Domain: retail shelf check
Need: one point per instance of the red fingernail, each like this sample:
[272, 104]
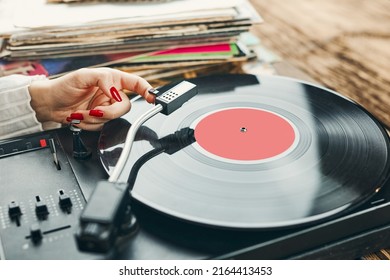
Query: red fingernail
[115, 94]
[96, 113]
[77, 116]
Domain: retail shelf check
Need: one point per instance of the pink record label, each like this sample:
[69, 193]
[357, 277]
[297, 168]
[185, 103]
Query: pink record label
[245, 134]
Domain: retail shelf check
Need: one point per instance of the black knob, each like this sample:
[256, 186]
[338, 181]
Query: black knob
[41, 208]
[14, 210]
[64, 200]
[80, 151]
[36, 233]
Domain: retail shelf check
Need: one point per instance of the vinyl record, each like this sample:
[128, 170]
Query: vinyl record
[253, 152]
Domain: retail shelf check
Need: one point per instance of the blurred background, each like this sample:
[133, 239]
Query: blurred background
[344, 45]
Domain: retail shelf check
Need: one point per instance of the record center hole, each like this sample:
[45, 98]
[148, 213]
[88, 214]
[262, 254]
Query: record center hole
[243, 129]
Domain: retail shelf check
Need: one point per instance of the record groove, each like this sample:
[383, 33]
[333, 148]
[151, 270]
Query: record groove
[339, 160]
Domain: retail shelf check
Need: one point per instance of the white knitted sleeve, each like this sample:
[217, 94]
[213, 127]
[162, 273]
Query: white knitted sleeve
[16, 114]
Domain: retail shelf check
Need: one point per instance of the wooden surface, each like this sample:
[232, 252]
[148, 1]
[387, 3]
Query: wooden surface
[344, 45]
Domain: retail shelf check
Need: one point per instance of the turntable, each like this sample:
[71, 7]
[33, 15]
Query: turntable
[252, 167]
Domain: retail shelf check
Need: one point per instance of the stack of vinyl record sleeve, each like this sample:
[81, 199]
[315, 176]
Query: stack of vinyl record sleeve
[157, 39]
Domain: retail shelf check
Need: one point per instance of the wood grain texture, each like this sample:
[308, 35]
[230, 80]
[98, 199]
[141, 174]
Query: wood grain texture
[344, 45]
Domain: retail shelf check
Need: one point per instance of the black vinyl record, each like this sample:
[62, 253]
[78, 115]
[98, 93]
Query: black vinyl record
[252, 152]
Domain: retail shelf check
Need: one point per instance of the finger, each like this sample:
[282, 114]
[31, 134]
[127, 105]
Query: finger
[101, 114]
[85, 118]
[99, 77]
[88, 122]
[108, 80]
[113, 111]
[137, 84]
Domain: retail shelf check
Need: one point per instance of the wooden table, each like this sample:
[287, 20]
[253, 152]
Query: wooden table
[343, 45]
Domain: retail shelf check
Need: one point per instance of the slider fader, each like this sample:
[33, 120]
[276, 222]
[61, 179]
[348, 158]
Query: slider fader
[39, 202]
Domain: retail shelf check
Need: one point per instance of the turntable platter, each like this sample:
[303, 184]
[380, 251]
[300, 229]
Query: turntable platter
[262, 153]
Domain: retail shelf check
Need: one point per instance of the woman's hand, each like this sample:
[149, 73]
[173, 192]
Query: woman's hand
[93, 96]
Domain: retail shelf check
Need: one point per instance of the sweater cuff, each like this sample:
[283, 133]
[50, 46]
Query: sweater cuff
[17, 117]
